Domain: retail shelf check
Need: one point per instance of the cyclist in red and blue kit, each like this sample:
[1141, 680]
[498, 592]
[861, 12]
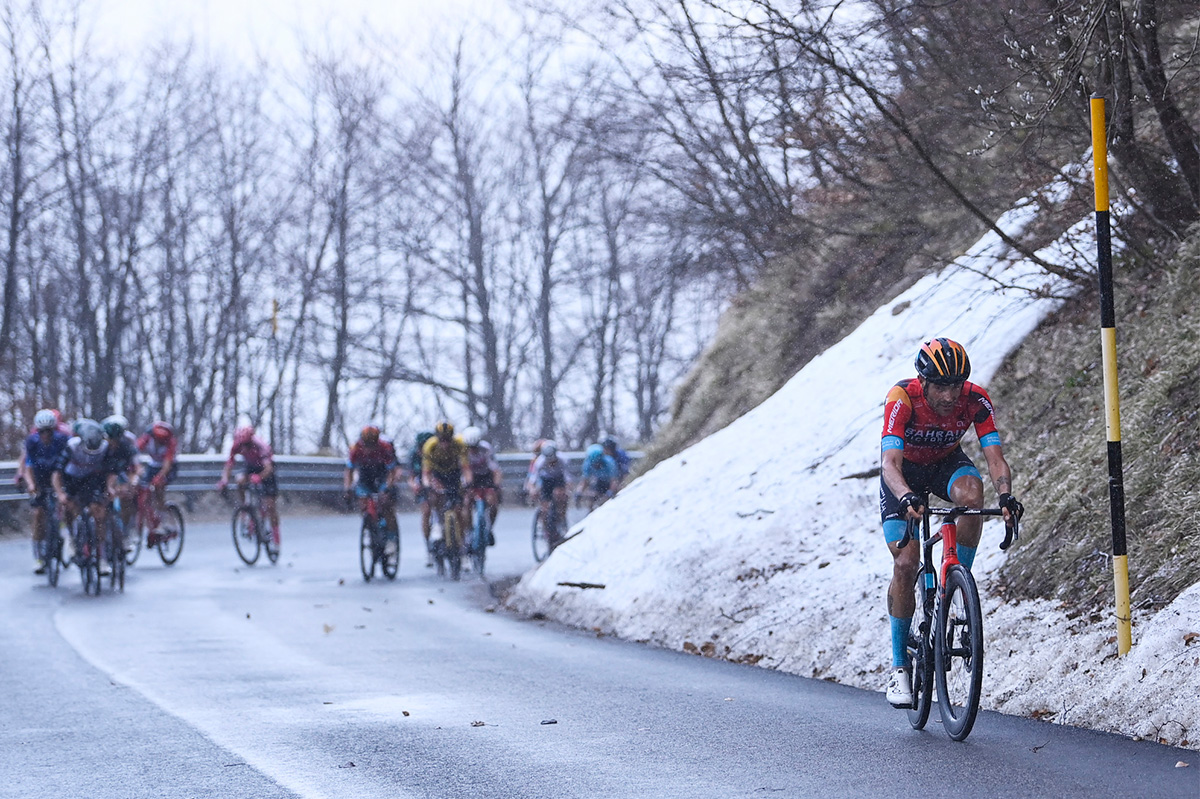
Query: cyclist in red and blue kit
[374, 458]
[924, 419]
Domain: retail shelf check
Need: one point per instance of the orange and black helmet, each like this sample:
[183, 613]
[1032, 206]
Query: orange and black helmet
[943, 362]
[370, 435]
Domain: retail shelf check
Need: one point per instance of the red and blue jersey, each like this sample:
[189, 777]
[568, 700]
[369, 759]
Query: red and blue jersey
[911, 425]
[373, 463]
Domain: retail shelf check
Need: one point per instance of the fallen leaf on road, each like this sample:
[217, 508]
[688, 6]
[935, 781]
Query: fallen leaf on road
[328, 628]
[478, 723]
[1181, 764]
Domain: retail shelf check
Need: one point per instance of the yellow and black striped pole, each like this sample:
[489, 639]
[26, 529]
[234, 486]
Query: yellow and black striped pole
[1112, 402]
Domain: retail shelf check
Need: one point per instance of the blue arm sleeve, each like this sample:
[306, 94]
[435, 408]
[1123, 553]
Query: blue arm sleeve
[891, 442]
[990, 440]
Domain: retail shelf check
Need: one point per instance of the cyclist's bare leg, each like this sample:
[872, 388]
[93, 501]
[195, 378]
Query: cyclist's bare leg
[968, 491]
[901, 602]
[128, 495]
[387, 510]
[426, 518]
[38, 513]
[492, 498]
[100, 514]
[268, 504]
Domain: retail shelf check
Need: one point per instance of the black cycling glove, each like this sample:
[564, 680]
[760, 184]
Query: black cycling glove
[1010, 504]
[910, 500]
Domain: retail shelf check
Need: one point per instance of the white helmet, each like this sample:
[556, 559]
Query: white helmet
[91, 435]
[472, 436]
[45, 419]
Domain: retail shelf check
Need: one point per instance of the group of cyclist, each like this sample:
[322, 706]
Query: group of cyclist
[90, 464]
[446, 472]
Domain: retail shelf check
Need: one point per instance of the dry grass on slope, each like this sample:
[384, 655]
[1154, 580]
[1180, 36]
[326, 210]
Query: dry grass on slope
[1050, 398]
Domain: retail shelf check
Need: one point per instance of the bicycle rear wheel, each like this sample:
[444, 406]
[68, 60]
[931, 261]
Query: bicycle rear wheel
[268, 541]
[366, 550]
[51, 546]
[959, 653]
[246, 538]
[389, 560]
[920, 653]
[53, 559]
[541, 544]
[170, 534]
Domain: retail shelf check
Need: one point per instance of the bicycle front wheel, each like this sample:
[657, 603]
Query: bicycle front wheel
[273, 548]
[114, 550]
[959, 653]
[920, 653]
[170, 534]
[51, 547]
[479, 538]
[454, 545]
[389, 561]
[541, 544]
[366, 551]
[246, 538]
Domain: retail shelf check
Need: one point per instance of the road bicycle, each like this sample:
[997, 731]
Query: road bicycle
[448, 550]
[50, 549]
[377, 545]
[114, 546]
[945, 645]
[547, 529]
[590, 498]
[87, 550]
[161, 530]
[251, 529]
[481, 535]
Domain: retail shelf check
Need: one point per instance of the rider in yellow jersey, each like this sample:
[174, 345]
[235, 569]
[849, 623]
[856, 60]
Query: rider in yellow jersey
[444, 470]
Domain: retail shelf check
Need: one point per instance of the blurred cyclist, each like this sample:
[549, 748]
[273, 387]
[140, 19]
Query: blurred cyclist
[374, 458]
[259, 468]
[44, 449]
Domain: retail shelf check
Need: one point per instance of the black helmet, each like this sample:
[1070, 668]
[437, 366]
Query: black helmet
[943, 362]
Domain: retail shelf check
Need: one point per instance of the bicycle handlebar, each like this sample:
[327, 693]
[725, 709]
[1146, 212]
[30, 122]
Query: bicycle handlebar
[1011, 528]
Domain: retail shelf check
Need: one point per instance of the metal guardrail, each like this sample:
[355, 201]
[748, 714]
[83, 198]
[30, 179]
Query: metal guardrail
[298, 473]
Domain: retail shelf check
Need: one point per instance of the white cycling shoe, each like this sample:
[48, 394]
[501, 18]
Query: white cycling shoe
[899, 689]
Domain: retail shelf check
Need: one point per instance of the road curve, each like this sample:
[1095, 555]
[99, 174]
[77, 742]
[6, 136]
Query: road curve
[211, 678]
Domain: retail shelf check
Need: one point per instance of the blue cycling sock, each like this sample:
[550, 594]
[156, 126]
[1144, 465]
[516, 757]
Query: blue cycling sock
[966, 555]
[900, 628]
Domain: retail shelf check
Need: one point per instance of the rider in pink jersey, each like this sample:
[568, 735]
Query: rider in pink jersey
[259, 468]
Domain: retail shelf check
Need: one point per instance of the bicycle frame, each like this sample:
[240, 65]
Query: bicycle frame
[950, 630]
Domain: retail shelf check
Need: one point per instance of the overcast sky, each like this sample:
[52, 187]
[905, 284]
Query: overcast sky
[242, 28]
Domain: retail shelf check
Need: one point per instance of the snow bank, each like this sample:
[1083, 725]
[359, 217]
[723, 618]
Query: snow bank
[762, 543]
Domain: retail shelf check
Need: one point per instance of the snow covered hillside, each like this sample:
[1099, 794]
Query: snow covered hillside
[762, 544]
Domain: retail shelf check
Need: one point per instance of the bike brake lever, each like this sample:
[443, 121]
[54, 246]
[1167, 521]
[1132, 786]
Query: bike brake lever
[909, 526]
[1011, 534]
